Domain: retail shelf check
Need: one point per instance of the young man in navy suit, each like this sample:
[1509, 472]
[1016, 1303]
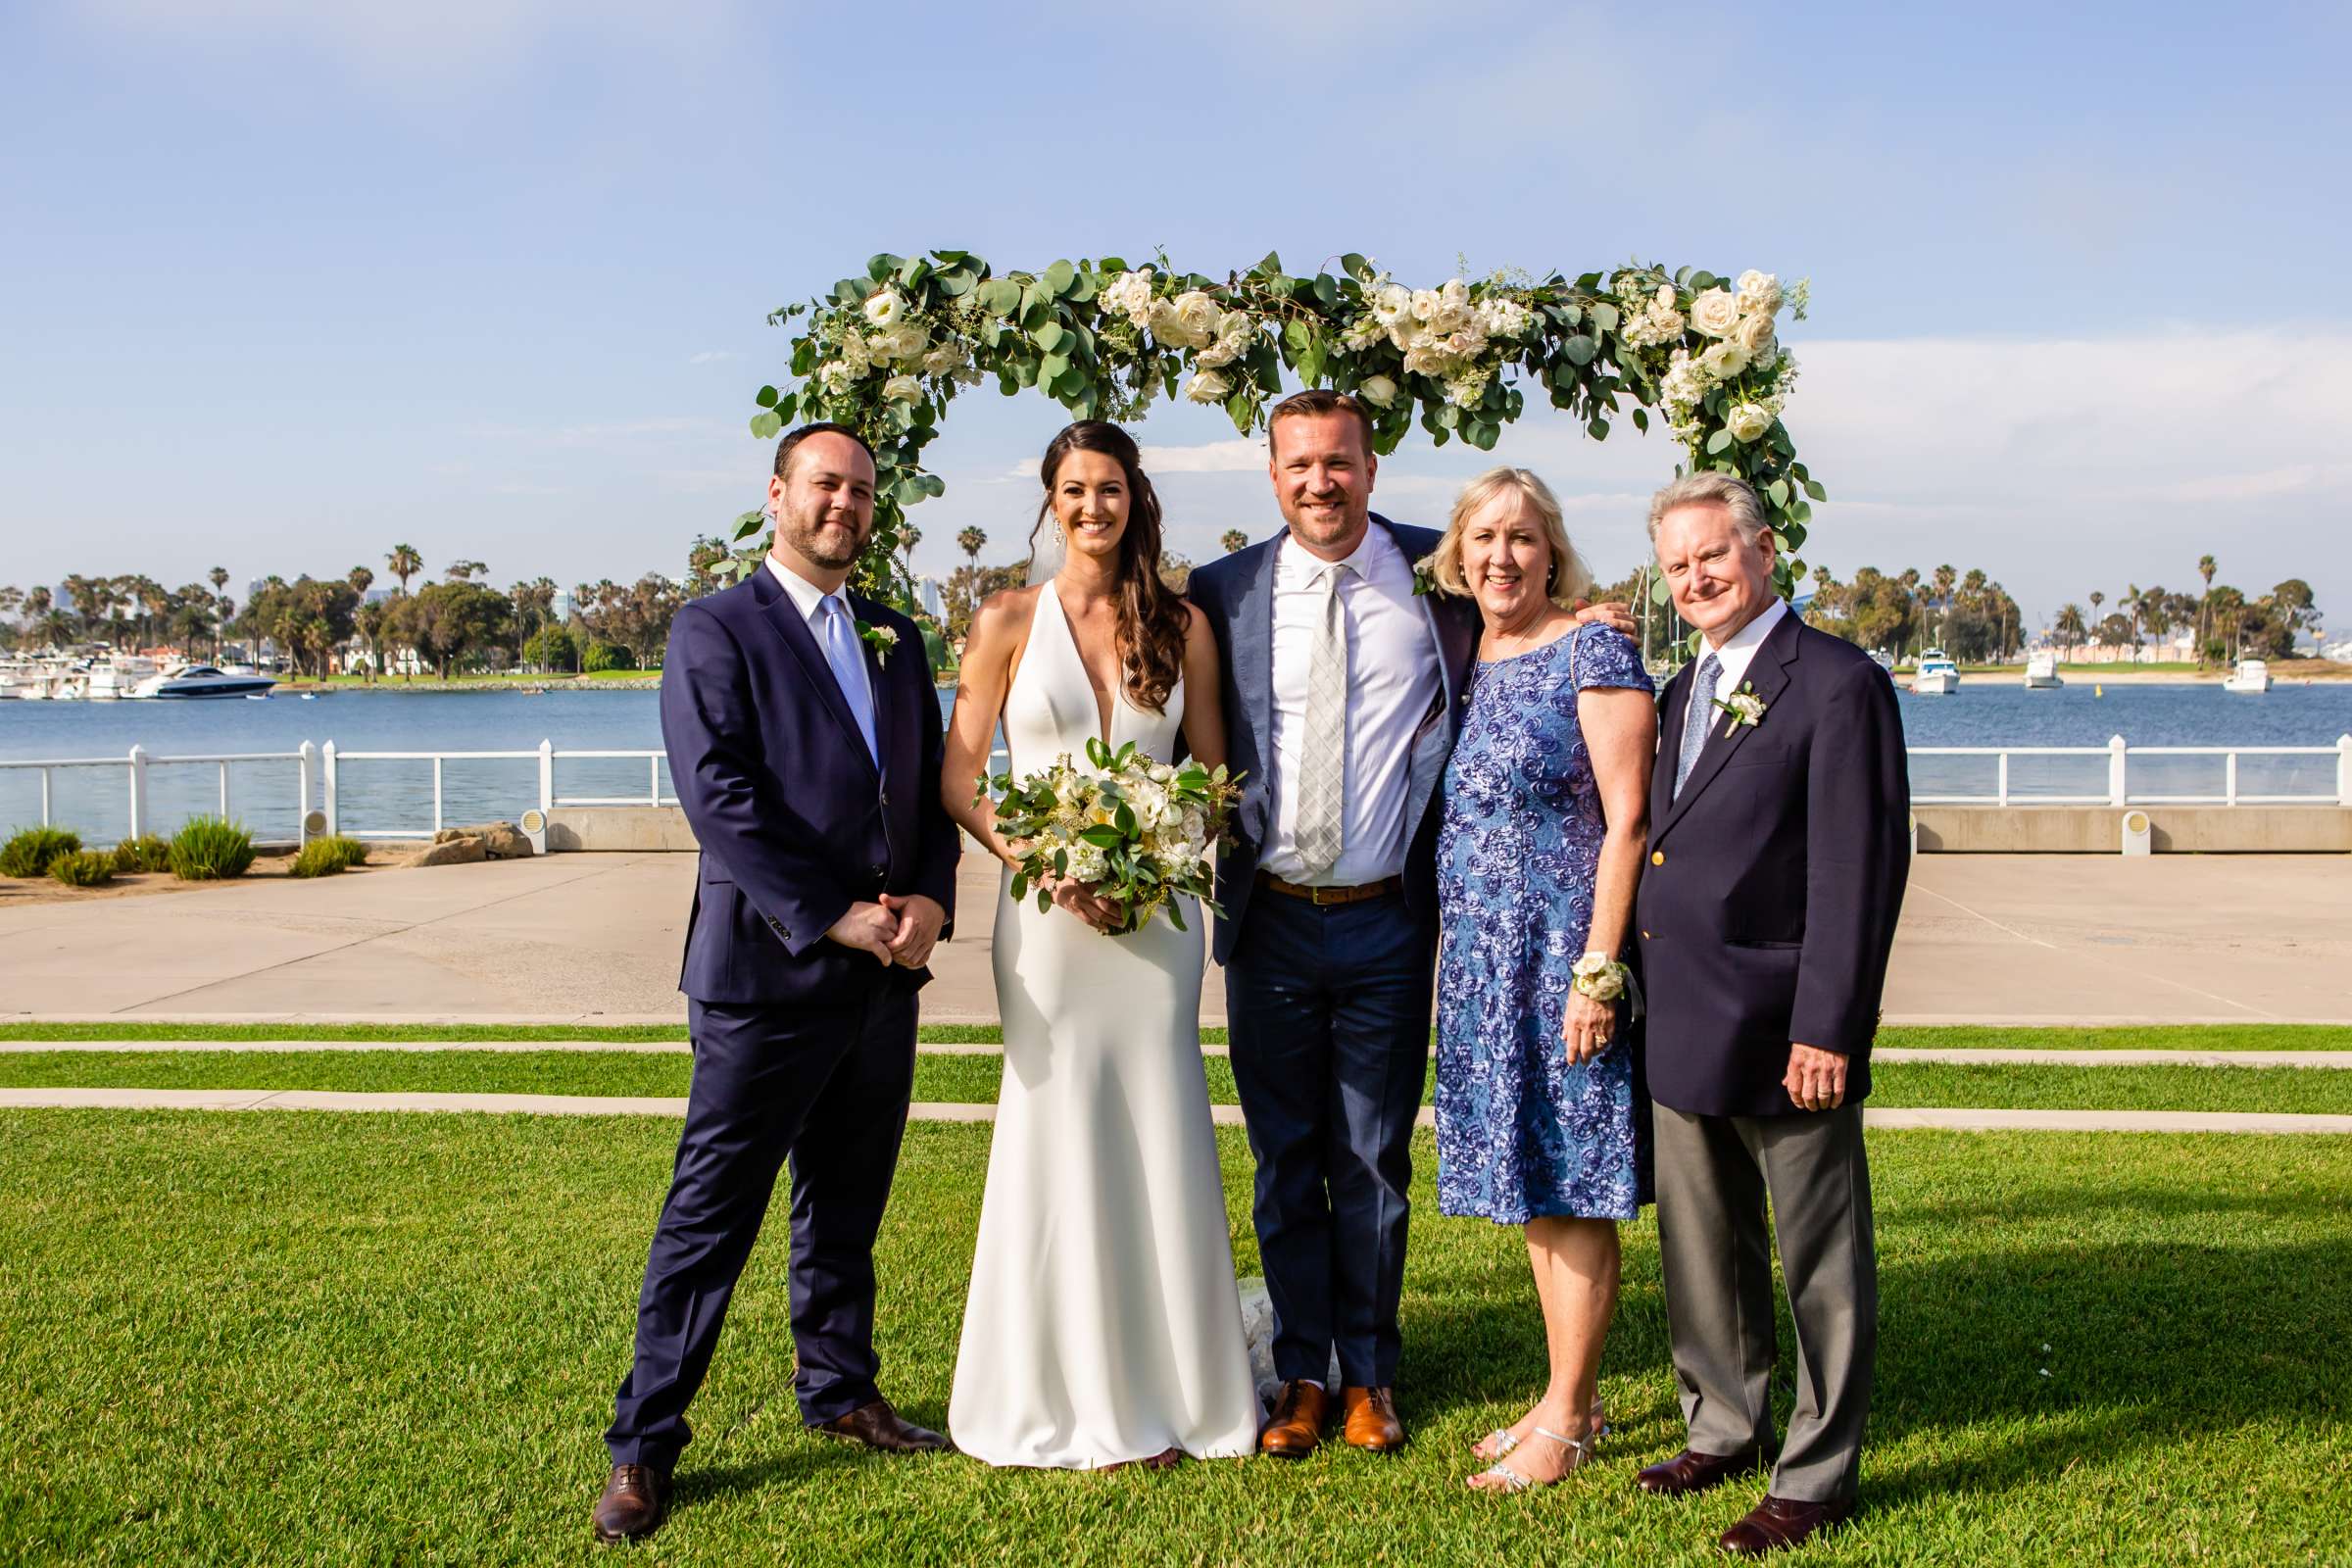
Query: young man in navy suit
[804, 737]
[1778, 846]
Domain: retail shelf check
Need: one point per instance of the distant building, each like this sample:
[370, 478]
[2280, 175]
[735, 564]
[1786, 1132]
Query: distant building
[930, 598]
[562, 605]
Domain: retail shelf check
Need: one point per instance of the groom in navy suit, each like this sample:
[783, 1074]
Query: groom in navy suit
[804, 737]
[1344, 690]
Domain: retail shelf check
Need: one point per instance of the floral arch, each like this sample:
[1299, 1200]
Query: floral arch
[885, 354]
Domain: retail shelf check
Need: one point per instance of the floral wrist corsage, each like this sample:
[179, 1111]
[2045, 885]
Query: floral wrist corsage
[1600, 977]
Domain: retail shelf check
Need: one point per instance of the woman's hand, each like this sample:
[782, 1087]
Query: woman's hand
[1588, 1026]
[1080, 899]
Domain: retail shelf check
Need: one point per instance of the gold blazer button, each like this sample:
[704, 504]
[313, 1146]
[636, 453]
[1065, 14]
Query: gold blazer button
[1657, 857]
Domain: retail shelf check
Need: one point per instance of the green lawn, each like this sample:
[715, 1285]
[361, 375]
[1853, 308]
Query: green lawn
[974, 1079]
[2182, 1037]
[393, 1339]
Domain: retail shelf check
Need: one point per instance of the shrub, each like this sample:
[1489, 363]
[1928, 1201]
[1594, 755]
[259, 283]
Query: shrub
[29, 850]
[146, 853]
[327, 857]
[602, 657]
[207, 849]
[83, 868]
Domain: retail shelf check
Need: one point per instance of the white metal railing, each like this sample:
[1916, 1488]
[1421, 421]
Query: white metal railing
[2119, 791]
[320, 778]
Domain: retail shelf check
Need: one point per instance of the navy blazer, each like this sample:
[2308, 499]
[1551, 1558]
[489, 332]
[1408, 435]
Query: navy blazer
[1769, 903]
[1237, 594]
[795, 822]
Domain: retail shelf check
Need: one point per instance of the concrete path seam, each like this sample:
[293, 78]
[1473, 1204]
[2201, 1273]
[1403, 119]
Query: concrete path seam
[1936, 1118]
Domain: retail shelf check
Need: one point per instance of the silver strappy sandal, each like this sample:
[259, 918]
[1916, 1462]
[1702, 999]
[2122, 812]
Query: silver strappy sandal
[1498, 1444]
[1514, 1482]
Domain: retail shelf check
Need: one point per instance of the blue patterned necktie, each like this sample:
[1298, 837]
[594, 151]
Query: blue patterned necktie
[1699, 721]
[848, 667]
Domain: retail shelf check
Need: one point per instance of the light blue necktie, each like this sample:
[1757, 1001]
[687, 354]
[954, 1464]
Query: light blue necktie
[1699, 719]
[847, 660]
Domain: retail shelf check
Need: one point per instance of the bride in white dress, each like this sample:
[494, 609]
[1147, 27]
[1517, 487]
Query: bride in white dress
[1103, 1326]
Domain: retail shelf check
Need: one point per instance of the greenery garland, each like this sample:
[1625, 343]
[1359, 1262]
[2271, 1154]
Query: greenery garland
[885, 353]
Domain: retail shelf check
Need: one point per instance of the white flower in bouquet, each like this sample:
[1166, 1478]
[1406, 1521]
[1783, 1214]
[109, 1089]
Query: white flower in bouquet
[1361, 333]
[1715, 313]
[1197, 317]
[1722, 359]
[1130, 295]
[946, 360]
[1388, 302]
[1377, 390]
[1468, 389]
[885, 306]
[1759, 294]
[1748, 421]
[1209, 386]
[1087, 863]
[852, 355]
[1501, 317]
[1657, 323]
[836, 377]
[1754, 335]
[1426, 306]
[1234, 334]
[1685, 383]
[903, 389]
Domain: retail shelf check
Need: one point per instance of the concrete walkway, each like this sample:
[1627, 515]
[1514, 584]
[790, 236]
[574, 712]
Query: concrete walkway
[2079, 1121]
[2025, 940]
[1989, 1058]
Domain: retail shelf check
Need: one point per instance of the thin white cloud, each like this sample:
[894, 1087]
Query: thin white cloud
[713, 357]
[1241, 455]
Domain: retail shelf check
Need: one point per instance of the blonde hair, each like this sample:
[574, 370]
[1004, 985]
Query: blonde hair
[1569, 580]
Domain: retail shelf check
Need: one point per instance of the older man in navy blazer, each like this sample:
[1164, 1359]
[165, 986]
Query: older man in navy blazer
[1777, 850]
[804, 737]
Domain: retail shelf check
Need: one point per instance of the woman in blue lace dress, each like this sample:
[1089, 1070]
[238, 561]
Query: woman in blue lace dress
[1541, 1121]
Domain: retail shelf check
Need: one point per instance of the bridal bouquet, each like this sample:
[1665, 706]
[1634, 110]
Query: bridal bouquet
[1142, 831]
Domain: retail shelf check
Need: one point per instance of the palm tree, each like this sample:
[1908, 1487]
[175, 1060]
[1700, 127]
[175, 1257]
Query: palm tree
[971, 541]
[464, 571]
[361, 580]
[2205, 570]
[2070, 626]
[1234, 539]
[405, 562]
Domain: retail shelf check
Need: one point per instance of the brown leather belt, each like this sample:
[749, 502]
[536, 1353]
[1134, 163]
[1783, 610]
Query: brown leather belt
[1354, 895]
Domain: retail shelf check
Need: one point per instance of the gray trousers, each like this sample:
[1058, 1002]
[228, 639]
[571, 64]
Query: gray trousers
[1714, 1174]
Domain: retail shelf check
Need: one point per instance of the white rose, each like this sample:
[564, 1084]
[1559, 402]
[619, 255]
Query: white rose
[903, 343]
[946, 360]
[1754, 335]
[1161, 317]
[1234, 333]
[1724, 360]
[1200, 316]
[1715, 313]
[1426, 304]
[885, 306]
[1749, 422]
[1209, 386]
[1759, 293]
[903, 389]
[1664, 301]
[1377, 390]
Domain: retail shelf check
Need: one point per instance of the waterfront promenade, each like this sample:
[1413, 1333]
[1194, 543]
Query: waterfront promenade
[2018, 940]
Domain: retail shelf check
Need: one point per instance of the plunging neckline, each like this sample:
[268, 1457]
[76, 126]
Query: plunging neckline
[1107, 709]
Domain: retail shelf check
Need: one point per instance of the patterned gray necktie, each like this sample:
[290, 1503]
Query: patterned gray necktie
[1323, 753]
[1699, 719]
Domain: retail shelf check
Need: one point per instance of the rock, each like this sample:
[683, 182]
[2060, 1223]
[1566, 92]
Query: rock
[500, 841]
[448, 850]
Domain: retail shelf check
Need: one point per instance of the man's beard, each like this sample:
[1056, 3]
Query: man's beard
[807, 535]
[1321, 529]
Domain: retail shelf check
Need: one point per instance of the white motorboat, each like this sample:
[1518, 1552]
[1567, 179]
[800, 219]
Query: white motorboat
[203, 680]
[1884, 661]
[2042, 670]
[1937, 675]
[2252, 676]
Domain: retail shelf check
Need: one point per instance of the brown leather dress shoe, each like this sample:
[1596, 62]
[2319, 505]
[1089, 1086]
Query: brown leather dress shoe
[1296, 1428]
[1372, 1423]
[1691, 1472]
[878, 1426]
[635, 1501]
[1779, 1522]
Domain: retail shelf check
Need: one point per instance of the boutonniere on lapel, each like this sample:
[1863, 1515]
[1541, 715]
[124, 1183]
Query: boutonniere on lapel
[1743, 710]
[1425, 580]
[881, 639]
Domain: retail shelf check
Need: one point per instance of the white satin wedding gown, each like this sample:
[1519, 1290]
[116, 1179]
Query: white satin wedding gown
[1103, 1323]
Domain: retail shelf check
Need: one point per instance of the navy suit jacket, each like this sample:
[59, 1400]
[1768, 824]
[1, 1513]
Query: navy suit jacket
[1237, 594]
[795, 820]
[1774, 878]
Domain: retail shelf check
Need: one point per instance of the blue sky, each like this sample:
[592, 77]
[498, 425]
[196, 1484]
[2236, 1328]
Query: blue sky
[284, 285]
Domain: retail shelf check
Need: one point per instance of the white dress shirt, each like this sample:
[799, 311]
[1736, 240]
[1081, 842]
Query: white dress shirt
[810, 600]
[1737, 653]
[1392, 680]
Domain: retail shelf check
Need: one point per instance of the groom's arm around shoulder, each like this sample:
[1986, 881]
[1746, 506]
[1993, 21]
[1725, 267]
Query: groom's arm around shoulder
[1857, 850]
[710, 729]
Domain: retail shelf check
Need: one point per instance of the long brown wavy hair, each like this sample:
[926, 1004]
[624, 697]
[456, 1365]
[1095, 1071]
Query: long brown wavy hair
[1150, 614]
